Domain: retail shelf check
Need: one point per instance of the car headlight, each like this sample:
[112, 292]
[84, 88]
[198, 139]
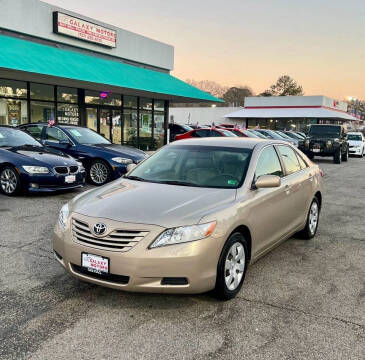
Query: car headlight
[184, 234]
[121, 160]
[35, 169]
[81, 167]
[329, 143]
[63, 216]
[307, 143]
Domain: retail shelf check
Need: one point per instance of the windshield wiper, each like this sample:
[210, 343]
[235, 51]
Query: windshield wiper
[177, 182]
[137, 178]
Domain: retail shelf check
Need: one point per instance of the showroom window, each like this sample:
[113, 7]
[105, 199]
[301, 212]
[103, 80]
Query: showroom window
[103, 98]
[42, 111]
[41, 92]
[130, 102]
[67, 95]
[13, 88]
[13, 112]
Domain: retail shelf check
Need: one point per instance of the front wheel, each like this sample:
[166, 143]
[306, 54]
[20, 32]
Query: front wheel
[99, 173]
[345, 156]
[337, 157]
[232, 266]
[9, 181]
[311, 225]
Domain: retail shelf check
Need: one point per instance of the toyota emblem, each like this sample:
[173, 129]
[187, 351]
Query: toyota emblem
[99, 229]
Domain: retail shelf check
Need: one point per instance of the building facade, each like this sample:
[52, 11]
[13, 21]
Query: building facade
[62, 66]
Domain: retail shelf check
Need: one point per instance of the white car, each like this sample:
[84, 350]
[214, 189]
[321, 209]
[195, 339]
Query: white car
[357, 143]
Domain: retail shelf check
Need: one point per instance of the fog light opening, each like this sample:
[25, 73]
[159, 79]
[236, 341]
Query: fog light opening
[34, 186]
[174, 281]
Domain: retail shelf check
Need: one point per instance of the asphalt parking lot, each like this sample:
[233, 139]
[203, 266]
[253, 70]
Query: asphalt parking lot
[305, 300]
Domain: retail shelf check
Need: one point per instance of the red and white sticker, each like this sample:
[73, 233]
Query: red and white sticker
[95, 263]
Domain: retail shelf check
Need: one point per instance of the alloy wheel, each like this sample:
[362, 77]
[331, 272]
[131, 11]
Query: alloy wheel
[99, 173]
[8, 181]
[313, 217]
[234, 266]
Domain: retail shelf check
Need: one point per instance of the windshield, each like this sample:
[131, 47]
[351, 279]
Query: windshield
[355, 137]
[262, 136]
[12, 137]
[201, 166]
[325, 130]
[283, 135]
[186, 128]
[228, 133]
[237, 133]
[87, 136]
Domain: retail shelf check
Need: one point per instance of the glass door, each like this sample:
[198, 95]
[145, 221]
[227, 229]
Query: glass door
[104, 118]
[116, 127]
[92, 118]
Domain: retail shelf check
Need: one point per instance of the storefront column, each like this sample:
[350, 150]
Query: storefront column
[81, 104]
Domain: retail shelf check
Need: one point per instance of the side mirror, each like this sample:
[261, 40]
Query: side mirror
[130, 167]
[267, 181]
[65, 143]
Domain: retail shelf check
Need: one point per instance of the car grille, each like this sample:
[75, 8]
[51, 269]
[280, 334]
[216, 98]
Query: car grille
[65, 170]
[117, 240]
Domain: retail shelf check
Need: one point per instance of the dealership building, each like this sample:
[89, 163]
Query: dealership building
[62, 66]
[291, 112]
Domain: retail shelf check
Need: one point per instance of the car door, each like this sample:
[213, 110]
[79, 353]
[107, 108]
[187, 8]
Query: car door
[57, 139]
[298, 181]
[269, 208]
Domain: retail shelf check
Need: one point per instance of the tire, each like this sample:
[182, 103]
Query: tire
[311, 227]
[337, 157]
[9, 181]
[99, 173]
[236, 244]
[345, 156]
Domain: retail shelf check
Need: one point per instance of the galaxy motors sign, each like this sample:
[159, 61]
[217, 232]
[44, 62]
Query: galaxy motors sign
[83, 30]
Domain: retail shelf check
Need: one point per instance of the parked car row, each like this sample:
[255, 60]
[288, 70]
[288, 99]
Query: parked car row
[42, 158]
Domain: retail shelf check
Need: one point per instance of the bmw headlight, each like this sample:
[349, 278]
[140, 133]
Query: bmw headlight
[63, 216]
[184, 234]
[123, 161]
[35, 169]
[81, 167]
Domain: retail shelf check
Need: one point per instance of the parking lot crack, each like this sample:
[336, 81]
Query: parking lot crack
[288, 308]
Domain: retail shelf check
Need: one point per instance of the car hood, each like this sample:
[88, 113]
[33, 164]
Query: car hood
[323, 138]
[150, 203]
[43, 156]
[119, 150]
[355, 142]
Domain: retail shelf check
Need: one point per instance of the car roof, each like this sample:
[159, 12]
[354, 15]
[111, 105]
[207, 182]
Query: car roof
[55, 125]
[233, 142]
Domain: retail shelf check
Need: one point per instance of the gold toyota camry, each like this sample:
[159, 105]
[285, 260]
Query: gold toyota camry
[190, 218]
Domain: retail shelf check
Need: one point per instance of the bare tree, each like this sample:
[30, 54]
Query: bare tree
[209, 86]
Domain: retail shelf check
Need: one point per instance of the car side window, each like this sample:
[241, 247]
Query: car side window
[201, 133]
[35, 131]
[214, 133]
[268, 163]
[290, 159]
[55, 135]
[302, 163]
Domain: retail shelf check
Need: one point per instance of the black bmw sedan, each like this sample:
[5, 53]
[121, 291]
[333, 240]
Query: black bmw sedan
[103, 160]
[27, 165]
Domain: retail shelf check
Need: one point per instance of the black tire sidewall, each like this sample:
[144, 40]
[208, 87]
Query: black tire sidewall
[18, 185]
[337, 157]
[221, 290]
[89, 169]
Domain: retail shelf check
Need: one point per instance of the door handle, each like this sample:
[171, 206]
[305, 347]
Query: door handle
[287, 189]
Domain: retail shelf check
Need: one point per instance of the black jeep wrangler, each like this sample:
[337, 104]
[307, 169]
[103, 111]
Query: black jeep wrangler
[326, 140]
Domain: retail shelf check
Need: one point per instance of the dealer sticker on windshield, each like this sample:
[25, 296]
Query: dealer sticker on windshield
[232, 182]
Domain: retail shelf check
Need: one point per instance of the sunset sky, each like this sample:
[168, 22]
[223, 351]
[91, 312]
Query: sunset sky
[320, 43]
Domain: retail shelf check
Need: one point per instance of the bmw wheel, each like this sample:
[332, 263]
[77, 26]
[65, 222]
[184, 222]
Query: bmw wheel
[99, 173]
[9, 181]
[311, 225]
[232, 267]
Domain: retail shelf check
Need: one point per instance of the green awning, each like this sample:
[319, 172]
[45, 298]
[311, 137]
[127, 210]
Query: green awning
[21, 55]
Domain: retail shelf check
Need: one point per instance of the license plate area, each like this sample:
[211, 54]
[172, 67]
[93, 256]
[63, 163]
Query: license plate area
[69, 179]
[316, 148]
[95, 264]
